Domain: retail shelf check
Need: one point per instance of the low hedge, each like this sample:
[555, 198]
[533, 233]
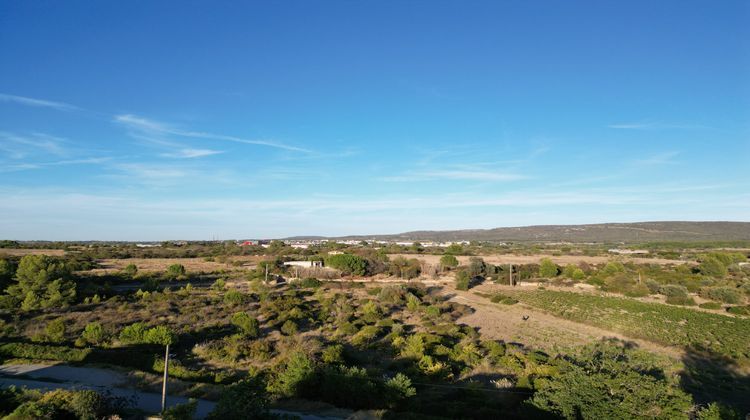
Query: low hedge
[43, 352]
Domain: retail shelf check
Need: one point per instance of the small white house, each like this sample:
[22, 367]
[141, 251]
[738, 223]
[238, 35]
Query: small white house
[306, 264]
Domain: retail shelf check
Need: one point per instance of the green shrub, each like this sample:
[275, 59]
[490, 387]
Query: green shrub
[246, 399]
[710, 305]
[234, 298]
[161, 335]
[43, 352]
[181, 411]
[448, 261]
[130, 270]
[676, 295]
[462, 280]
[93, 334]
[611, 268]
[133, 333]
[712, 267]
[501, 298]
[289, 327]
[653, 286]
[310, 283]
[348, 264]
[400, 387]
[292, 376]
[547, 268]
[739, 310]
[721, 294]
[55, 330]
[248, 325]
[333, 354]
[591, 386]
[175, 271]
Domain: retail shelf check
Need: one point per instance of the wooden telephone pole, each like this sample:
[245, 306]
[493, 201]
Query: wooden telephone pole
[164, 384]
[510, 275]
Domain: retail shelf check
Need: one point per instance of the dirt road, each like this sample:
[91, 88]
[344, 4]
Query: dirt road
[39, 376]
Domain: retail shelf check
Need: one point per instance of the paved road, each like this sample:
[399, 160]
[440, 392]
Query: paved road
[39, 376]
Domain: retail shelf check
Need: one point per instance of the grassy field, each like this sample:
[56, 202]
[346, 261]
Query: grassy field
[669, 325]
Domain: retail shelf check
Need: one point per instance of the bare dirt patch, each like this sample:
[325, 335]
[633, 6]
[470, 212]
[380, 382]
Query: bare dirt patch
[199, 265]
[19, 252]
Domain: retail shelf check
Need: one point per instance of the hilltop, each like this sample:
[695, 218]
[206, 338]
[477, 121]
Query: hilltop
[603, 232]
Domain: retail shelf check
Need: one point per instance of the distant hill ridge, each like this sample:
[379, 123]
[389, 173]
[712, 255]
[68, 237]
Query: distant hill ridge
[602, 232]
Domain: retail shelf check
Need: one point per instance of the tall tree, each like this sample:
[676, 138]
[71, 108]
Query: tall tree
[42, 282]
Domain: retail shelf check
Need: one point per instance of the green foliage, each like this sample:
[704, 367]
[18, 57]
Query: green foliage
[710, 305]
[573, 272]
[234, 298]
[448, 261]
[175, 271]
[7, 271]
[371, 312]
[247, 325]
[739, 310]
[712, 267]
[722, 294]
[94, 334]
[289, 327]
[348, 264]
[462, 280]
[55, 330]
[676, 295]
[184, 411]
[246, 399]
[160, 335]
[134, 333]
[547, 268]
[42, 283]
[310, 283]
[333, 354]
[612, 268]
[43, 352]
[611, 382]
[504, 299]
[64, 404]
[365, 336]
[292, 376]
[405, 268]
[130, 270]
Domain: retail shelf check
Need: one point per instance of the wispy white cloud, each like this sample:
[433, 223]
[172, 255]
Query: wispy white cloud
[192, 153]
[465, 175]
[655, 125]
[43, 103]
[21, 145]
[156, 128]
[39, 165]
[666, 158]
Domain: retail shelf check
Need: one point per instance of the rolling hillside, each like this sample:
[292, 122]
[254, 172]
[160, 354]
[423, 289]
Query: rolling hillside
[604, 232]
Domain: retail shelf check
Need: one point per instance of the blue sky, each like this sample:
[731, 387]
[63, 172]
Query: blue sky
[152, 120]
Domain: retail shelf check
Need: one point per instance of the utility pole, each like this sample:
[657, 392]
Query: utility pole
[164, 384]
[266, 280]
[510, 275]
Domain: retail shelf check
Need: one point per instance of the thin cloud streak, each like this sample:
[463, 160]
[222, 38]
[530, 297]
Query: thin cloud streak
[159, 128]
[463, 175]
[37, 142]
[39, 165]
[192, 153]
[647, 125]
[34, 102]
